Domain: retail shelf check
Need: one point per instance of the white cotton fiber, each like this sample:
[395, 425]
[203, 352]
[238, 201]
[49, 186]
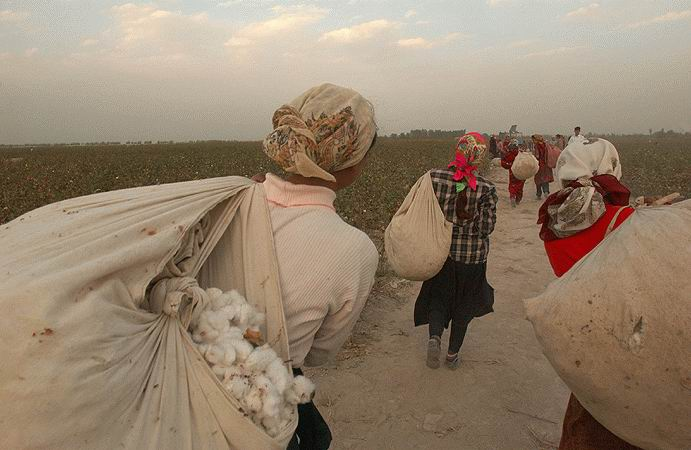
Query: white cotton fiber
[228, 333]
[243, 349]
[301, 391]
[260, 358]
[279, 376]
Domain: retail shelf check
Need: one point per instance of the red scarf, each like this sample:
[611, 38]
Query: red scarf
[612, 191]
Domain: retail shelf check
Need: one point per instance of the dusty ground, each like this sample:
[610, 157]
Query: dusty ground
[505, 395]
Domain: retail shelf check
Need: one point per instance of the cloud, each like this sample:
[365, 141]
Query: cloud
[361, 32]
[672, 16]
[148, 25]
[89, 42]
[9, 16]
[229, 3]
[410, 14]
[419, 42]
[288, 18]
[495, 3]
[553, 52]
[522, 43]
[584, 12]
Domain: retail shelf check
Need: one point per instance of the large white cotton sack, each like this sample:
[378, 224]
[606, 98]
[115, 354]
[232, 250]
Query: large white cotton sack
[525, 166]
[97, 294]
[617, 328]
[418, 239]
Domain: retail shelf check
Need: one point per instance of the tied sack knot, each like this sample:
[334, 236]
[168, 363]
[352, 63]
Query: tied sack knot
[178, 297]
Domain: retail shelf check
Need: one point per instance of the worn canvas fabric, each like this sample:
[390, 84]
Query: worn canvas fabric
[617, 328]
[587, 159]
[418, 239]
[97, 293]
[525, 166]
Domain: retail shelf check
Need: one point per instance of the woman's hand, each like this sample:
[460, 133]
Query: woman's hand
[658, 200]
[259, 178]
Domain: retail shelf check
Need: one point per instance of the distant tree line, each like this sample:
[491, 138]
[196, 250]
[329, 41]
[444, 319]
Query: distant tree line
[428, 134]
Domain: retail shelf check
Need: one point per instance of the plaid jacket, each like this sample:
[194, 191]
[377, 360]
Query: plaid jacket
[470, 242]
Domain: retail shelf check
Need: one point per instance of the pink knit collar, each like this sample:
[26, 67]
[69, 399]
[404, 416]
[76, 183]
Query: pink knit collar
[289, 195]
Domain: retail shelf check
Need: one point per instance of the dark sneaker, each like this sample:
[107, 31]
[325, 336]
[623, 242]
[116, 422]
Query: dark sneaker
[433, 352]
[452, 362]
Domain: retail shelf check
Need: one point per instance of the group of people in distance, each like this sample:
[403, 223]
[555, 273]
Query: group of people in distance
[327, 268]
[508, 149]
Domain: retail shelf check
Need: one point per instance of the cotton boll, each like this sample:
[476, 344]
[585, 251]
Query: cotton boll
[252, 401]
[243, 349]
[205, 332]
[272, 403]
[219, 371]
[213, 293]
[230, 334]
[225, 300]
[278, 373]
[215, 354]
[238, 386]
[271, 400]
[236, 298]
[217, 321]
[242, 317]
[229, 312]
[260, 358]
[202, 348]
[301, 391]
[257, 320]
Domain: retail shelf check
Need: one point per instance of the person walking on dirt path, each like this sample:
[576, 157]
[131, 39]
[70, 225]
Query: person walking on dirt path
[515, 185]
[493, 148]
[577, 136]
[574, 221]
[460, 291]
[327, 267]
[544, 175]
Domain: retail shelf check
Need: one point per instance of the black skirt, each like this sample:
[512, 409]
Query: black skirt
[458, 291]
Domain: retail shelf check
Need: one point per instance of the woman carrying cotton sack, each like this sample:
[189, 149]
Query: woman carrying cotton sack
[327, 267]
[460, 292]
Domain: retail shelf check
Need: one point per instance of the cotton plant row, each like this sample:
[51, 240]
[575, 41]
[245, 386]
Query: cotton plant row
[228, 334]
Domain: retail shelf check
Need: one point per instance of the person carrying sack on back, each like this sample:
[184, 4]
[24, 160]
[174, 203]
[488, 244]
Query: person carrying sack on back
[591, 203]
[544, 175]
[327, 268]
[460, 291]
[515, 185]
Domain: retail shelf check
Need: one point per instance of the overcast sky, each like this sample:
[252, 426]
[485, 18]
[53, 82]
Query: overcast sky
[74, 70]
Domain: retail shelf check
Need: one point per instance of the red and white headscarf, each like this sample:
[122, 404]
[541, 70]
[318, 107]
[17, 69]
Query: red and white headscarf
[469, 150]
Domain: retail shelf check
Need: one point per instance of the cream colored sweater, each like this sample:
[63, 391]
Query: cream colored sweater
[326, 266]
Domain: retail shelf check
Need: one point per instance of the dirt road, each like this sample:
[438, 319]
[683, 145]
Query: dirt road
[505, 395]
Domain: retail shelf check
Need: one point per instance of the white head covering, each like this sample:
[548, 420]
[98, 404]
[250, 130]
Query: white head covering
[587, 159]
[326, 129]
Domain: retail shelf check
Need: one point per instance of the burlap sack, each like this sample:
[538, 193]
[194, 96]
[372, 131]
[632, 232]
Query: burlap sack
[525, 166]
[617, 328]
[418, 239]
[97, 293]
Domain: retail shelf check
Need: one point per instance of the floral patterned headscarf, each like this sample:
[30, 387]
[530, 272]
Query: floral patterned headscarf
[470, 148]
[326, 129]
